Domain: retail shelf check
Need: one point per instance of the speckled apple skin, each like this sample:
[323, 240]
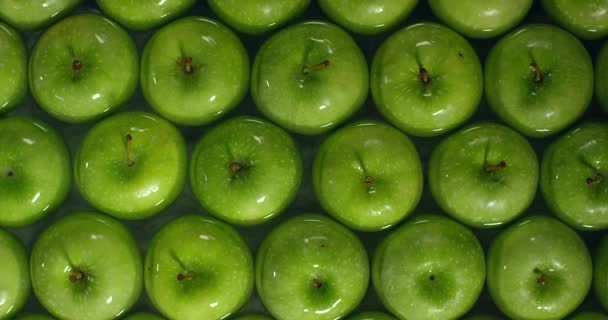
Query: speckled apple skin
[368, 16]
[15, 282]
[144, 15]
[13, 68]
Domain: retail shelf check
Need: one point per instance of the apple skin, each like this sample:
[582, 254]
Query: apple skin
[481, 19]
[267, 181]
[15, 279]
[137, 190]
[558, 99]
[568, 172]
[452, 93]
[372, 316]
[538, 268]
[253, 317]
[106, 59]
[217, 82]
[589, 316]
[586, 19]
[482, 317]
[601, 77]
[368, 175]
[311, 268]
[257, 16]
[219, 259]
[430, 268]
[143, 316]
[464, 189]
[33, 15]
[35, 171]
[34, 317]
[101, 252]
[144, 15]
[368, 17]
[315, 102]
[600, 272]
[13, 70]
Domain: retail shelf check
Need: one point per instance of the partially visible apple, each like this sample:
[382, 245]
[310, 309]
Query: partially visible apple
[574, 177]
[600, 272]
[198, 268]
[13, 69]
[601, 77]
[253, 317]
[372, 316]
[257, 16]
[481, 18]
[311, 268]
[144, 15]
[83, 68]
[32, 316]
[483, 317]
[484, 175]
[368, 16]
[86, 266]
[143, 316]
[589, 316]
[586, 19]
[14, 275]
[539, 79]
[131, 165]
[426, 79]
[538, 268]
[430, 268]
[309, 77]
[35, 14]
[194, 70]
[368, 175]
[35, 172]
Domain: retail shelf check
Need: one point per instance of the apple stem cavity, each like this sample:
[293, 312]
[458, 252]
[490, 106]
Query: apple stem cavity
[315, 67]
[595, 179]
[76, 276]
[76, 65]
[187, 65]
[538, 74]
[368, 180]
[10, 173]
[423, 74]
[490, 168]
[129, 139]
[235, 167]
[542, 280]
[317, 283]
[186, 277]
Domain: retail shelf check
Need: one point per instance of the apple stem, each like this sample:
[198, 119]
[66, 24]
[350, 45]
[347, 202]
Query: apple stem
[235, 167]
[315, 67]
[432, 277]
[128, 142]
[542, 280]
[76, 65]
[595, 179]
[186, 277]
[368, 180]
[424, 75]
[538, 74]
[488, 168]
[316, 282]
[187, 64]
[76, 275]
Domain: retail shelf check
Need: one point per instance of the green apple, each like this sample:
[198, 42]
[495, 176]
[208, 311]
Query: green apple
[245, 170]
[131, 165]
[482, 317]
[35, 14]
[586, 19]
[309, 77]
[14, 276]
[538, 269]
[601, 77]
[13, 69]
[368, 175]
[86, 266]
[311, 268]
[481, 18]
[144, 15]
[32, 316]
[484, 175]
[143, 316]
[257, 16]
[372, 316]
[600, 272]
[194, 70]
[198, 268]
[35, 175]
[539, 79]
[253, 317]
[589, 316]
[574, 176]
[426, 79]
[368, 17]
[430, 268]
[83, 68]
